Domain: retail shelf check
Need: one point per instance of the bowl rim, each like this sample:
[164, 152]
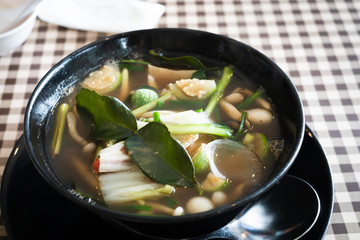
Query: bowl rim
[18, 27]
[251, 198]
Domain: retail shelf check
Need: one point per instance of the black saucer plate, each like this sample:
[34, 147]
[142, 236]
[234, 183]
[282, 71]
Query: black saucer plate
[31, 209]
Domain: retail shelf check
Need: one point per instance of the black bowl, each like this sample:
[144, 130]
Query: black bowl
[252, 64]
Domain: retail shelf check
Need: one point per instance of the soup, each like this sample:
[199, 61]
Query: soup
[164, 135]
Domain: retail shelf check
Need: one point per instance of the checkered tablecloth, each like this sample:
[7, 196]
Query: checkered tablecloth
[316, 42]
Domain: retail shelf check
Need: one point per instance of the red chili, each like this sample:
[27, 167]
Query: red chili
[96, 165]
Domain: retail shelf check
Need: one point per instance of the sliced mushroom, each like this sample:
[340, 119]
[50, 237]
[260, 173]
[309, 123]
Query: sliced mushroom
[259, 116]
[230, 110]
[263, 103]
[234, 98]
[159, 77]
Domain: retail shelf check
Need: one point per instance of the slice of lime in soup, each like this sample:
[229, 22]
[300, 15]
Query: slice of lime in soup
[200, 160]
[104, 80]
[193, 89]
[257, 142]
[213, 183]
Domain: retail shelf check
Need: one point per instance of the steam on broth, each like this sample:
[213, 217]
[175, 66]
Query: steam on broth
[156, 138]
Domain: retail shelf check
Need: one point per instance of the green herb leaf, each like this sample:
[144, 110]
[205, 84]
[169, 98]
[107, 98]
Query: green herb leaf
[160, 157]
[133, 65]
[199, 74]
[112, 119]
[182, 61]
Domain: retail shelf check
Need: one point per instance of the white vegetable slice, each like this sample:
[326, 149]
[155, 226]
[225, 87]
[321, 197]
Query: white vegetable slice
[237, 161]
[159, 77]
[185, 117]
[114, 158]
[120, 187]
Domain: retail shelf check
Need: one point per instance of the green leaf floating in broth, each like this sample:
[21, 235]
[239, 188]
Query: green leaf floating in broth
[182, 61]
[112, 119]
[160, 157]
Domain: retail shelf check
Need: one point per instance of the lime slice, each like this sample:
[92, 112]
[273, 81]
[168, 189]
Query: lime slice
[104, 80]
[143, 96]
[193, 89]
[213, 183]
[256, 142]
[200, 160]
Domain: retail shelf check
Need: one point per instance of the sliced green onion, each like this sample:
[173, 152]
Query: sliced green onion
[59, 128]
[147, 107]
[208, 128]
[224, 81]
[249, 100]
[242, 123]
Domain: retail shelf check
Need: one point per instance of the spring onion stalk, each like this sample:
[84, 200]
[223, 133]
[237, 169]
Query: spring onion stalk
[224, 81]
[147, 107]
[207, 128]
[249, 100]
[242, 123]
[59, 128]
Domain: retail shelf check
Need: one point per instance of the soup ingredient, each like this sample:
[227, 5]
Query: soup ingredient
[104, 80]
[200, 160]
[213, 183]
[159, 77]
[125, 186]
[256, 142]
[232, 160]
[124, 89]
[249, 100]
[193, 89]
[218, 198]
[113, 159]
[112, 118]
[181, 118]
[133, 65]
[240, 130]
[234, 98]
[150, 105]
[160, 157]
[178, 211]
[143, 96]
[178, 61]
[223, 82]
[208, 128]
[71, 123]
[59, 128]
[230, 110]
[199, 204]
[259, 116]
[276, 146]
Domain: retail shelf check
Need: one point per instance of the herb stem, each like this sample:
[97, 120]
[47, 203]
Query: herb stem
[147, 107]
[59, 128]
[208, 128]
[224, 81]
[249, 100]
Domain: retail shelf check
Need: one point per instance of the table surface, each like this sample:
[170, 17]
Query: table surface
[317, 43]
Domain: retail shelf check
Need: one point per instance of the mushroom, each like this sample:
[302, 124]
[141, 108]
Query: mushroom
[199, 204]
[259, 116]
[230, 110]
[234, 98]
[159, 77]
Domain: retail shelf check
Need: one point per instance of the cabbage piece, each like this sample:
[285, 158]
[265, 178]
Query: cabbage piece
[114, 158]
[120, 187]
